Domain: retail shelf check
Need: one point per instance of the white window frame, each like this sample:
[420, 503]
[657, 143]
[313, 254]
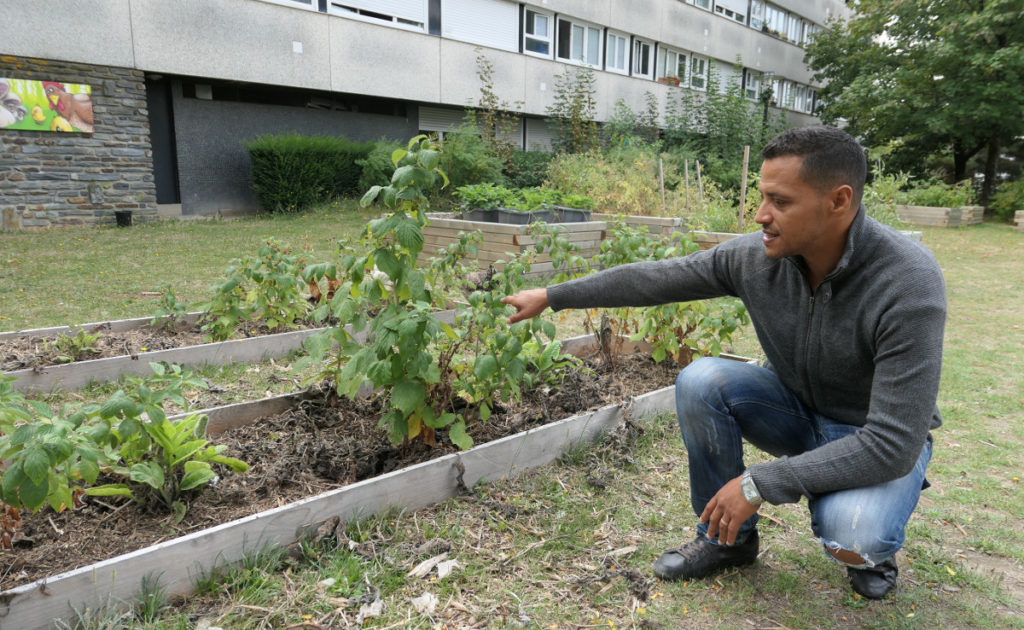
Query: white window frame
[699, 81]
[635, 58]
[662, 66]
[588, 30]
[812, 95]
[700, 4]
[547, 38]
[612, 53]
[757, 14]
[752, 84]
[730, 14]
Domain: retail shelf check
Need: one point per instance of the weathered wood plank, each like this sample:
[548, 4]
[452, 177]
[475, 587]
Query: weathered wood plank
[116, 325]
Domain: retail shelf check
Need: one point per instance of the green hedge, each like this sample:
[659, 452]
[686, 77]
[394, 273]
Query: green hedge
[292, 172]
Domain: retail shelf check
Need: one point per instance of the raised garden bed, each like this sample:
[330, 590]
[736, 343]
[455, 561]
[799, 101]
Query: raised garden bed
[942, 217]
[179, 561]
[665, 226]
[75, 375]
[1018, 220]
[500, 240]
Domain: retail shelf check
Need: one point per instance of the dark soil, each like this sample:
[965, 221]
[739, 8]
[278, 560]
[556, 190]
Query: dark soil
[322, 444]
[38, 351]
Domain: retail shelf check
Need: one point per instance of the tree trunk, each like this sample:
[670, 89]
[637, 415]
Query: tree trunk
[991, 165]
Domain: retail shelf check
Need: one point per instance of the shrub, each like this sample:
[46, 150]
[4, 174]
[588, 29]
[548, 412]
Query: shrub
[466, 160]
[527, 169]
[377, 167]
[488, 197]
[292, 172]
[1008, 199]
[939, 195]
[882, 195]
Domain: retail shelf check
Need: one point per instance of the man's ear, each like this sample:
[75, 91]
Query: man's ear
[841, 198]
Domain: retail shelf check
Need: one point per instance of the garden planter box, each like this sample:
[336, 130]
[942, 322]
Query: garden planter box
[665, 226]
[71, 376]
[118, 325]
[1018, 220]
[942, 217]
[707, 240]
[178, 562]
[500, 240]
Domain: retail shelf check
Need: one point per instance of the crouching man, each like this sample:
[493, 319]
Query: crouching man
[850, 314]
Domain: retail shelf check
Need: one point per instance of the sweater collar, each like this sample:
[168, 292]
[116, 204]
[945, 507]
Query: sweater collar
[853, 251]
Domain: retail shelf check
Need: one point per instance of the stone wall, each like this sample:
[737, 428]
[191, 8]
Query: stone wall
[52, 179]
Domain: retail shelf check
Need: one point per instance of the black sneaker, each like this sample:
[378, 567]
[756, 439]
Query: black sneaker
[700, 558]
[875, 582]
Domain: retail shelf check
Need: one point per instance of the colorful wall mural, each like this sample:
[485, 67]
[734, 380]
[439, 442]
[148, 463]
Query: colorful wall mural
[45, 106]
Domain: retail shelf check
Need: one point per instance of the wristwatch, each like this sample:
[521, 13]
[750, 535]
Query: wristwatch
[749, 489]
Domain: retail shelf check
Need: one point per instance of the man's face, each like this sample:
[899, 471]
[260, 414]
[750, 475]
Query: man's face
[793, 213]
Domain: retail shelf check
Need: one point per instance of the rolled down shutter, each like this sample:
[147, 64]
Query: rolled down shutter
[411, 10]
[739, 6]
[492, 23]
[538, 135]
[439, 119]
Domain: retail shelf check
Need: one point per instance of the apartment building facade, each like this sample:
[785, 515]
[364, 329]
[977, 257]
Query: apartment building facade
[178, 87]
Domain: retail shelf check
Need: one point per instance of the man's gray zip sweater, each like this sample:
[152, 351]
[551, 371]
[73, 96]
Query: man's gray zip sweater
[864, 349]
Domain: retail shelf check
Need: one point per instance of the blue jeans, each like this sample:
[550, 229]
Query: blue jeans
[719, 402]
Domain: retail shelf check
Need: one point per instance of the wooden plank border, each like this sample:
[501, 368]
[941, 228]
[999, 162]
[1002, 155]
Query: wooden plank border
[76, 375]
[116, 325]
[179, 562]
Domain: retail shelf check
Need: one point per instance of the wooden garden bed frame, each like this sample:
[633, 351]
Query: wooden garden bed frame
[75, 375]
[179, 562]
[941, 217]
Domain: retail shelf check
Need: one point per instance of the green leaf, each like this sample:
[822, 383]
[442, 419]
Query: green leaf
[109, 490]
[428, 158]
[407, 396]
[119, 405]
[318, 345]
[179, 509]
[485, 411]
[379, 372]
[196, 474]
[485, 366]
[370, 196]
[36, 466]
[148, 473]
[409, 235]
[457, 434]
[236, 465]
[158, 368]
[32, 494]
[388, 263]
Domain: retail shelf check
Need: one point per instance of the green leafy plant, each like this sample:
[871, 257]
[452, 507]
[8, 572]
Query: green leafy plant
[1009, 198]
[488, 196]
[268, 286]
[74, 347]
[431, 376]
[160, 460]
[170, 309]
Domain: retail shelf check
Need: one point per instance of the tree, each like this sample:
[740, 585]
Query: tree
[927, 77]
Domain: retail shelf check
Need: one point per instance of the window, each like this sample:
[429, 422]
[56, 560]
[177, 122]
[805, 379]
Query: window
[799, 97]
[671, 63]
[812, 100]
[537, 28]
[732, 9]
[698, 72]
[579, 42]
[617, 59]
[794, 28]
[643, 65]
[704, 4]
[752, 84]
[757, 14]
[410, 14]
[775, 20]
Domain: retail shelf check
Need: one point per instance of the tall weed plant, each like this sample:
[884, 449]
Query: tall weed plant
[621, 180]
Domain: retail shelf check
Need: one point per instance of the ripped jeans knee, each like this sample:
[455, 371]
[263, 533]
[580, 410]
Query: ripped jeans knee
[862, 527]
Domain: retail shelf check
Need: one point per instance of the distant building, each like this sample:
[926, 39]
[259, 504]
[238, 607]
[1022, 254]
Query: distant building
[177, 86]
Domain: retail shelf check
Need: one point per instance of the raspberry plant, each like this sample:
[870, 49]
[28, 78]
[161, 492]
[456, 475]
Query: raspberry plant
[433, 376]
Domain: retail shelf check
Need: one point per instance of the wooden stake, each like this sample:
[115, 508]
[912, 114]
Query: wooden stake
[661, 180]
[686, 178]
[743, 188]
[700, 182]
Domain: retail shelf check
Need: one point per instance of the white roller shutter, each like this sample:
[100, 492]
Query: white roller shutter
[411, 10]
[492, 23]
[514, 136]
[739, 6]
[438, 119]
[538, 135]
[728, 75]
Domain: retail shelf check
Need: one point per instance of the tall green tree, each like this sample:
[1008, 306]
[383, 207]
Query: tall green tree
[927, 77]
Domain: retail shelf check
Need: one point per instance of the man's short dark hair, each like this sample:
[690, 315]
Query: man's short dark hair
[831, 157]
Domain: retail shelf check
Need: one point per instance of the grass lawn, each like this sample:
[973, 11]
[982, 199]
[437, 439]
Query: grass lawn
[570, 546]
